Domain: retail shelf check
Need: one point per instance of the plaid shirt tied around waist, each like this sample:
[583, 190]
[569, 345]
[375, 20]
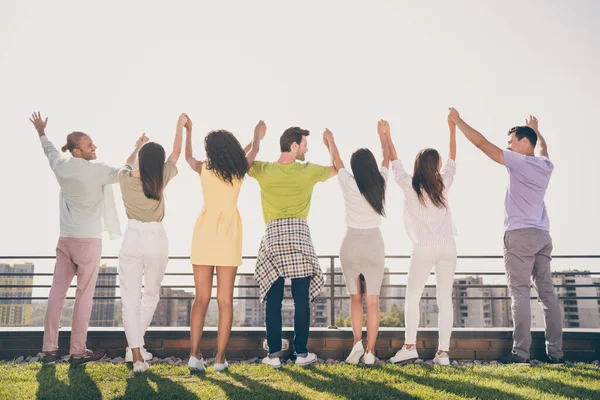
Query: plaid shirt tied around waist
[287, 251]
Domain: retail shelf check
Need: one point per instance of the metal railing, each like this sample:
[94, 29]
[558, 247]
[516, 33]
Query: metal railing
[330, 274]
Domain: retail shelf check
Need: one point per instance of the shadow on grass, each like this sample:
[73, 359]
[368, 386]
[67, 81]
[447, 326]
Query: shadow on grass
[252, 388]
[343, 386]
[138, 387]
[545, 384]
[460, 388]
[81, 385]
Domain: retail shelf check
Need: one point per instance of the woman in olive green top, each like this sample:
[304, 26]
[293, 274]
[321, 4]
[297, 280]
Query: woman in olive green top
[144, 251]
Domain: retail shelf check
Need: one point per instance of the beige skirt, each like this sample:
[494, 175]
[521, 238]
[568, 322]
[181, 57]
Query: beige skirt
[363, 252]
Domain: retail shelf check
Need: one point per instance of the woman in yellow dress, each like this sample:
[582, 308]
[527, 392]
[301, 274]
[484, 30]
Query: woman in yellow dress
[217, 239]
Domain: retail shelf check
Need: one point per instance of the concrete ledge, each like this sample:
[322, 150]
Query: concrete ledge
[466, 343]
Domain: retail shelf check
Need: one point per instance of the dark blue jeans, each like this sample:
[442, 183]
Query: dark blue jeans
[274, 299]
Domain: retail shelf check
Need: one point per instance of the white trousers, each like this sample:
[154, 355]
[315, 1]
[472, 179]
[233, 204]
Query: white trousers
[144, 253]
[422, 260]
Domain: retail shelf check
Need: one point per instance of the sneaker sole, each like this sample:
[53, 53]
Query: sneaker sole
[308, 363]
[273, 366]
[406, 361]
[355, 359]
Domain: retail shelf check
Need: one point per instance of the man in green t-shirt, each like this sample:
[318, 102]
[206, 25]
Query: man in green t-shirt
[286, 251]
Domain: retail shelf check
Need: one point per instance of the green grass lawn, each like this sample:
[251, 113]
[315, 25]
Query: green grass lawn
[107, 381]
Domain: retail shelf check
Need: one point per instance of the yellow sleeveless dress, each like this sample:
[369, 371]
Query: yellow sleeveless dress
[217, 239]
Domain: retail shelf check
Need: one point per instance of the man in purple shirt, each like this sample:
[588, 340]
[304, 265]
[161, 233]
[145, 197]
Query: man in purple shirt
[527, 241]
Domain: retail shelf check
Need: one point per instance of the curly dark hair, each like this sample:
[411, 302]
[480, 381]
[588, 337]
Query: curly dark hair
[225, 155]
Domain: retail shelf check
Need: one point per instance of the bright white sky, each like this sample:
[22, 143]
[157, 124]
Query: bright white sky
[117, 69]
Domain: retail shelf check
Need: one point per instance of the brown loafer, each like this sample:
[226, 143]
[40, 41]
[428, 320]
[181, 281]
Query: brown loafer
[88, 356]
[50, 357]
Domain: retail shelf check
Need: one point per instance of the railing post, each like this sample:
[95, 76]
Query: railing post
[332, 293]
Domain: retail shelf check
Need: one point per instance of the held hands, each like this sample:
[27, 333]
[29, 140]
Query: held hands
[532, 122]
[38, 123]
[184, 121]
[453, 116]
[327, 136]
[383, 127]
[260, 129]
[141, 141]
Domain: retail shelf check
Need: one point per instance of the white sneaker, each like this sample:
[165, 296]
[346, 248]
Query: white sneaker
[441, 359]
[221, 367]
[357, 352]
[369, 358]
[405, 355]
[140, 366]
[145, 354]
[274, 362]
[310, 358]
[195, 364]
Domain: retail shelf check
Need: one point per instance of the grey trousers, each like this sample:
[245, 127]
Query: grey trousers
[527, 256]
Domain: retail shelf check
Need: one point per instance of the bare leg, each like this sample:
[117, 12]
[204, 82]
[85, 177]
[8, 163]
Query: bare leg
[203, 278]
[356, 316]
[137, 355]
[372, 322]
[225, 283]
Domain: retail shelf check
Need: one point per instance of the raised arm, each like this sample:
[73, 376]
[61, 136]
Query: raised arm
[183, 120]
[402, 178]
[138, 145]
[452, 127]
[195, 164]
[251, 150]
[390, 142]
[50, 151]
[532, 122]
[383, 129]
[490, 149]
[333, 152]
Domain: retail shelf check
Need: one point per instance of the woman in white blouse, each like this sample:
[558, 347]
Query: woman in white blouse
[428, 223]
[362, 253]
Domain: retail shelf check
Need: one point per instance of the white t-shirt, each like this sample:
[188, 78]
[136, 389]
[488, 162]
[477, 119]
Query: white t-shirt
[426, 224]
[359, 213]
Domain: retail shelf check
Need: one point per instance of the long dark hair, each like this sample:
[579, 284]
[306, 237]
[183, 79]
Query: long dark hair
[368, 179]
[152, 165]
[225, 155]
[426, 177]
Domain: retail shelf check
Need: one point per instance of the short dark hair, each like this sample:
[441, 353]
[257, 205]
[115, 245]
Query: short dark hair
[524, 132]
[291, 135]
